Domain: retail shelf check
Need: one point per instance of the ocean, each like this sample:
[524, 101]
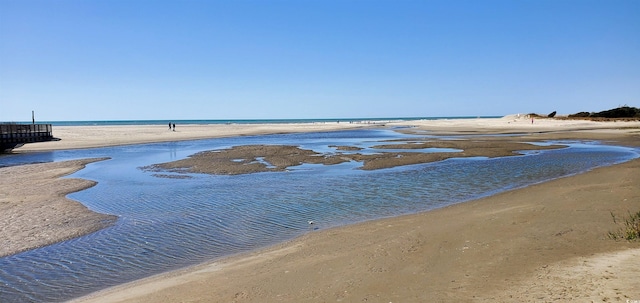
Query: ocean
[241, 121]
[170, 223]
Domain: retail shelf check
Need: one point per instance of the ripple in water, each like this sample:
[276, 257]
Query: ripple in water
[167, 224]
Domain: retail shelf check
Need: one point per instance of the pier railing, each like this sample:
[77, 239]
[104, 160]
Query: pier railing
[13, 135]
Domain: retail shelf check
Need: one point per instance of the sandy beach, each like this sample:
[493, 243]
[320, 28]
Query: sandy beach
[547, 242]
[74, 137]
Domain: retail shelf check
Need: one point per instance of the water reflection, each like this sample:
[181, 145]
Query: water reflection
[171, 223]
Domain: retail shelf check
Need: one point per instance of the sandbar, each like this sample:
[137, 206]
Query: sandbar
[34, 211]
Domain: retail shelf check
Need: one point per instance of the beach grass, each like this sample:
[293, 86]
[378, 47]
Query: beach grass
[630, 229]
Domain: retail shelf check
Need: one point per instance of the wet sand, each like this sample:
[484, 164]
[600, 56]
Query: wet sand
[34, 211]
[249, 159]
[546, 242]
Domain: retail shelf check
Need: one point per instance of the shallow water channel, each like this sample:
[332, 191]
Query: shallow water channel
[170, 223]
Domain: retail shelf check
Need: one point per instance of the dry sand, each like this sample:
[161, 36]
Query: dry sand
[513, 124]
[544, 243]
[74, 137]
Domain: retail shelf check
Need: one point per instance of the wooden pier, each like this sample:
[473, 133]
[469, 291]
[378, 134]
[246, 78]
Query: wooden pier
[14, 135]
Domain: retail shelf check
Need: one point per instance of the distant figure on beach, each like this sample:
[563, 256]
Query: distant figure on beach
[169, 125]
[174, 127]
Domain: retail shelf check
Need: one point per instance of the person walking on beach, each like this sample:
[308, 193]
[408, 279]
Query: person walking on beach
[174, 127]
[169, 125]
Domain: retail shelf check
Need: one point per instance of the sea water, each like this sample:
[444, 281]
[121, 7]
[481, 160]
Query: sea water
[243, 121]
[170, 223]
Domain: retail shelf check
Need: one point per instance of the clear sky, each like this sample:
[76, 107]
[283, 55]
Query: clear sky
[260, 59]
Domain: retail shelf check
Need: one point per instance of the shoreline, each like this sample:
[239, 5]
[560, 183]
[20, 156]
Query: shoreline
[546, 251]
[80, 137]
[624, 133]
[34, 209]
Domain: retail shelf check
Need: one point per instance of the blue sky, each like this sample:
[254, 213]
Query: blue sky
[241, 59]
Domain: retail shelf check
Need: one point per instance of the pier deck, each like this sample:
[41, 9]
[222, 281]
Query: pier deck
[14, 135]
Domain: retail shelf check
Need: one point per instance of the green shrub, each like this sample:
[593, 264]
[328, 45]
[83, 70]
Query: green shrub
[630, 229]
